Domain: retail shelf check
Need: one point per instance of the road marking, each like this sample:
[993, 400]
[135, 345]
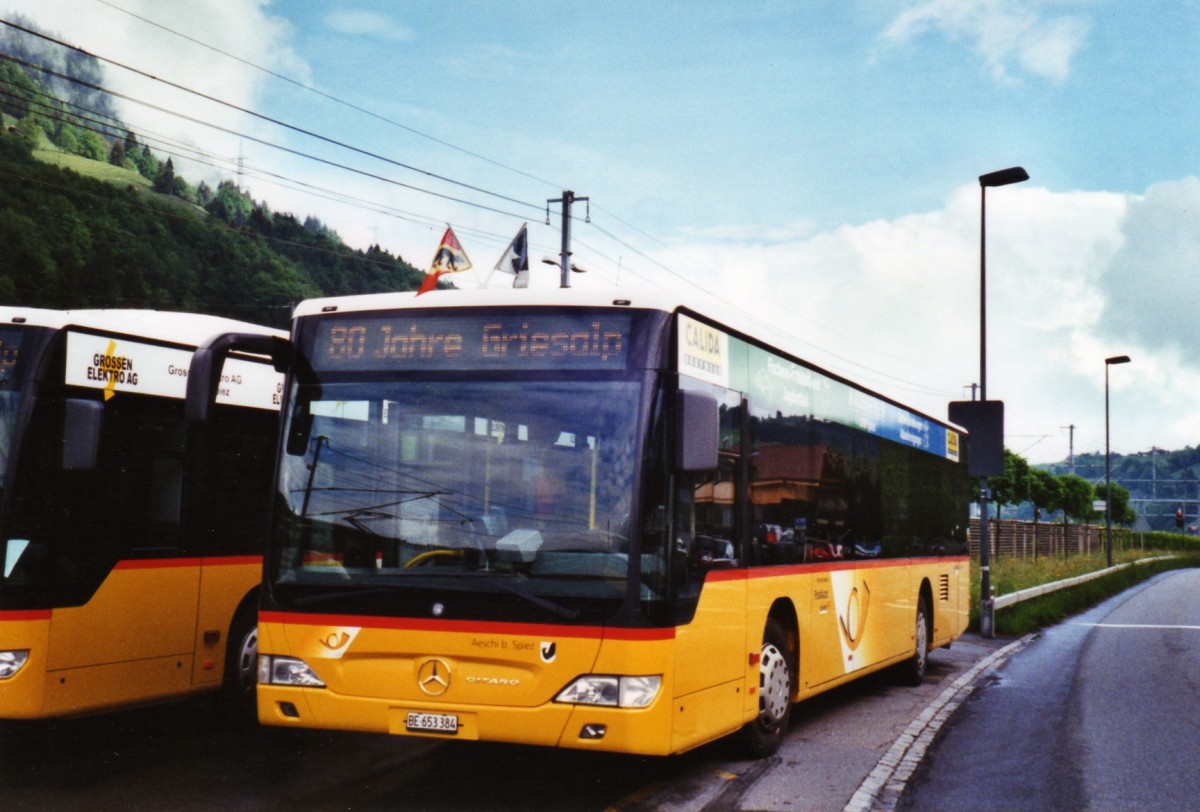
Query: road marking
[881, 789]
[1138, 626]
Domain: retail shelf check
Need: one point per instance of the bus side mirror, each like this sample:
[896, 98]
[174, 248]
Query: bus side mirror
[204, 372]
[697, 431]
[82, 420]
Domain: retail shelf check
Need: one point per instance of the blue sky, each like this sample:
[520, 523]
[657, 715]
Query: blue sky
[814, 163]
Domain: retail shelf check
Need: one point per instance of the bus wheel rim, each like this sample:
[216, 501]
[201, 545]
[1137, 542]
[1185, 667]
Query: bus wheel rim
[922, 641]
[774, 685]
[247, 661]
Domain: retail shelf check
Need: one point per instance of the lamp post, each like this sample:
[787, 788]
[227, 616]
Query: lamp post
[1108, 362]
[1002, 177]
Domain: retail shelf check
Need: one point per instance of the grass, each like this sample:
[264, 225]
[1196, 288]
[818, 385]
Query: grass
[1010, 574]
[117, 176]
[100, 170]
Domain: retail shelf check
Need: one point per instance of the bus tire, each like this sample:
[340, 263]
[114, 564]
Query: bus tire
[913, 669]
[241, 661]
[763, 736]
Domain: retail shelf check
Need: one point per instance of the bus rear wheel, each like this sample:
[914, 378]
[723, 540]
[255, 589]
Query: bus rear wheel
[763, 736]
[913, 669]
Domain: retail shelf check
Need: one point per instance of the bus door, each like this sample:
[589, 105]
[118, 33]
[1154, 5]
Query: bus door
[711, 650]
[108, 507]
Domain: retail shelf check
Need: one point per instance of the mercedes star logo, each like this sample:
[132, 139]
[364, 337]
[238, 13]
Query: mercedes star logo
[434, 677]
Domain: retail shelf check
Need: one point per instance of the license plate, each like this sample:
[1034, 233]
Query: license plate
[432, 723]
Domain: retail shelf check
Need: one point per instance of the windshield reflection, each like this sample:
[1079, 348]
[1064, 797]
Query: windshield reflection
[516, 487]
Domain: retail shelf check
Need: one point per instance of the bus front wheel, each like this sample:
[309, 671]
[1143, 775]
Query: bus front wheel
[763, 735]
[241, 661]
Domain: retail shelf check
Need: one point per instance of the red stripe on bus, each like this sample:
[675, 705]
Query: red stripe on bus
[781, 570]
[25, 614]
[232, 560]
[727, 575]
[471, 626]
[165, 563]
[156, 563]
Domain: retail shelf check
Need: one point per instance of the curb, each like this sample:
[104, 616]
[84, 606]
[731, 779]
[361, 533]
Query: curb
[881, 789]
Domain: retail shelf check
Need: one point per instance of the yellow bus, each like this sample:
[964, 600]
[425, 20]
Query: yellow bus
[131, 547]
[574, 519]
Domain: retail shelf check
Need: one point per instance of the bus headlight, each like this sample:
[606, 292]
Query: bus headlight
[11, 662]
[286, 671]
[613, 691]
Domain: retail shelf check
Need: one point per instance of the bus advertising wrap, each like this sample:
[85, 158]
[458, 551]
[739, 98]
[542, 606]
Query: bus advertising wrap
[777, 386]
[117, 364]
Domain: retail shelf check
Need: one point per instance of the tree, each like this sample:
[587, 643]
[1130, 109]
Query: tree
[164, 181]
[182, 189]
[1078, 494]
[1045, 490]
[30, 132]
[147, 164]
[1118, 508]
[116, 155]
[1011, 488]
[230, 204]
[90, 146]
[68, 139]
[16, 89]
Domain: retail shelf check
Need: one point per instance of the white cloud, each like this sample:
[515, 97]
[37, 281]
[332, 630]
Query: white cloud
[363, 23]
[895, 305]
[243, 28]
[1007, 35]
[1152, 285]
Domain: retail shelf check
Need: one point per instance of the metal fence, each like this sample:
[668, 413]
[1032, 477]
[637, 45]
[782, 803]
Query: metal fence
[1011, 538]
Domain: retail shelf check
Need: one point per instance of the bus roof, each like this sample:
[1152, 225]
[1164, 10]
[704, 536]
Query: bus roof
[182, 328]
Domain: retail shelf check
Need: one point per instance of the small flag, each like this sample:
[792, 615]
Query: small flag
[515, 259]
[449, 258]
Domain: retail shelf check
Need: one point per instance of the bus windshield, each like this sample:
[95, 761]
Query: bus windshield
[512, 491]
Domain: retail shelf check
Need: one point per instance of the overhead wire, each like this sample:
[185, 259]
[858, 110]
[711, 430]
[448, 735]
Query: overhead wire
[102, 124]
[330, 96]
[255, 139]
[254, 114]
[605, 232]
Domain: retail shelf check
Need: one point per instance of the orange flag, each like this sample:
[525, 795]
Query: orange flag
[449, 258]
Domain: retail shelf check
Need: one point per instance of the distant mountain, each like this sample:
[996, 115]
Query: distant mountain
[1159, 481]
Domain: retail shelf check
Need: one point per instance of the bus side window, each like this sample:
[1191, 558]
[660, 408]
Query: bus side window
[82, 424]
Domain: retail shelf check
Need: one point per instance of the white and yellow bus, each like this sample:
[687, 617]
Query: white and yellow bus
[130, 547]
[571, 519]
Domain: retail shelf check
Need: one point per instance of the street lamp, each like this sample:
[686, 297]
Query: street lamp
[1002, 177]
[1108, 362]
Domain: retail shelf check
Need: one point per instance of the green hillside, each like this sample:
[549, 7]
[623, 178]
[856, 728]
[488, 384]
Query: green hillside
[92, 217]
[73, 241]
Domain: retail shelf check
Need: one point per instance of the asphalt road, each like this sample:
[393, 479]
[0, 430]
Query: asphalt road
[1099, 713]
[183, 757]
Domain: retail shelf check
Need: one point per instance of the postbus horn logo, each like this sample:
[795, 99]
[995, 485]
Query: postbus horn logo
[854, 620]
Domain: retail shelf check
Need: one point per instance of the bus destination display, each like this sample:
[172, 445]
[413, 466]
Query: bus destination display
[497, 341]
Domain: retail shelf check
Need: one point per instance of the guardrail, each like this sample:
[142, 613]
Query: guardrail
[1002, 601]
